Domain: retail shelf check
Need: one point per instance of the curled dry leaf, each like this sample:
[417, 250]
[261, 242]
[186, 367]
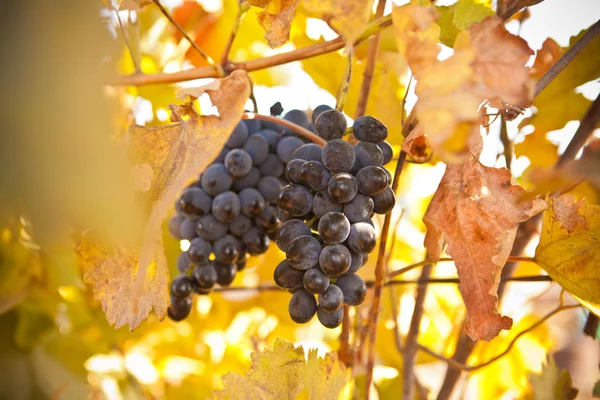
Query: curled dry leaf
[277, 25]
[283, 373]
[476, 210]
[130, 280]
[546, 57]
[569, 249]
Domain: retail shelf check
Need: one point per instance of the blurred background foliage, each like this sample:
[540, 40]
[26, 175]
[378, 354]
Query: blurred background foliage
[61, 160]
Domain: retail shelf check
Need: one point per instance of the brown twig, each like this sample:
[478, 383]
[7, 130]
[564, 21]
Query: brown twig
[217, 68]
[345, 85]
[365, 87]
[345, 354]
[584, 131]
[242, 8]
[402, 119]
[466, 368]
[290, 125]
[566, 58]
[379, 281]
[506, 143]
[252, 65]
[514, 8]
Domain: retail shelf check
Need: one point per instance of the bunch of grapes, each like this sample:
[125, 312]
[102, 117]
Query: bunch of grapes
[230, 212]
[327, 208]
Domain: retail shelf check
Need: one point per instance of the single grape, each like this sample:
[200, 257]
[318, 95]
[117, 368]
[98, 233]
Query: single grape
[225, 273]
[303, 252]
[221, 157]
[285, 217]
[272, 138]
[358, 261]
[227, 249]
[323, 203]
[335, 259]
[387, 151]
[226, 206]
[295, 199]
[369, 129]
[253, 125]
[384, 202]
[314, 175]
[331, 125]
[342, 187]
[240, 225]
[372, 180]
[362, 238]
[181, 287]
[267, 220]
[240, 264]
[298, 117]
[175, 226]
[334, 228]
[255, 241]
[216, 179]
[289, 231]
[287, 277]
[272, 166]
[248, 181]
[194, 202]
[354, 289]
[338, 156]
[330, 319]
[251, 202]
[332, 299]
[292, 170]
[258, 148]
[359, 208]
[183, 263]
[205, 276]
[269, 187]
[315, 281]
[368, 154]
[287, 146]
[318, 111]
[309, 152]
[303, 307]
[209, 228]
[238, 136]
[238, 163]
[187, 230]
[276, 109]
[199, 251]
[179, 309]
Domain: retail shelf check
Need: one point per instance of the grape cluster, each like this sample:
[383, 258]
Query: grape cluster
[230, 212]
[327, 232]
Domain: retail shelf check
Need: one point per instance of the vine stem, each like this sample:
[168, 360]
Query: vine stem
[379, 281]
[217, 68]
[252, 65]
[242, 8]
[582, 134]
[365, 88]
[290, 125]
[343, 90]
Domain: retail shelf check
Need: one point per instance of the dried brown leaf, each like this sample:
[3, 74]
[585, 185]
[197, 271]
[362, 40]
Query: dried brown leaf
[477, 209]
[277, 25]
[546, 57]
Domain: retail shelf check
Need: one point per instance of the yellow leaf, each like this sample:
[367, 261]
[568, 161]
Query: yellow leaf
[350, 17]
[553, 384]
[277, 26]
[283, 373]
[134, 5]
[569, 249]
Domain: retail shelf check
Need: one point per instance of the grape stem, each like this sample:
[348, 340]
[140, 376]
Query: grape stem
[343, 90]
[243, 6]
[290, 125]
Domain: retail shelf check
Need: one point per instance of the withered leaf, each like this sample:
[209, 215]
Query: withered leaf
[477, 209]
[277, 25]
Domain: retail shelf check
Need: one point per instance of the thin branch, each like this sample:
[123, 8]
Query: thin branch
[410, 341]
[379, 281]
[466, 368]
[584, 131]
[290, 125]
[134, 61]
[345, 85]
[345, 354]
[567, 58]
[209, 60]
[243, 6]
[405, 97]
[506, 143]
[365, 89]
[252, 65]
[514, 8]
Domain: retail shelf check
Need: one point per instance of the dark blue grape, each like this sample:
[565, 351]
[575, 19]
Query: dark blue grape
[187, 230]
[216, 179]
[209, 228]
[179, 309]
[267, 220]
[272, 138]
[289, 231]
[335, 259]
[181, 287]
[227, 249]
[332, 299]
[238, 136]
[258, 148]
[338, 156]
[298, 117]
[256, 241]
[252, 202]
[248, 181]
[194, 202]
[384, 202]
[292, 170]
[225, 273]
[331, 125]
[226, 207]
[323, 203]
[387, 151]
[296, 200]
[359, 208]
[269, 187]
[314, 175]
[368, 154]
[372, 180]
[272, 166]
[362, 238]
[183, 263]
[330, 320]
[238, 163]
[334, 227]
[287, 146]
[309, 152]
[303, 252]
[315, 281]
[318, 111]
[354, 289]
[303, 307]
[342, 187]
[369, 129]
[199, 251]
[175, 226]
[287, 277]
[240, 225]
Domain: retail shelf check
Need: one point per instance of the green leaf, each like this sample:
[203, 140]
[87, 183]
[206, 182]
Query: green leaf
[459, 17]
[553, 383]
